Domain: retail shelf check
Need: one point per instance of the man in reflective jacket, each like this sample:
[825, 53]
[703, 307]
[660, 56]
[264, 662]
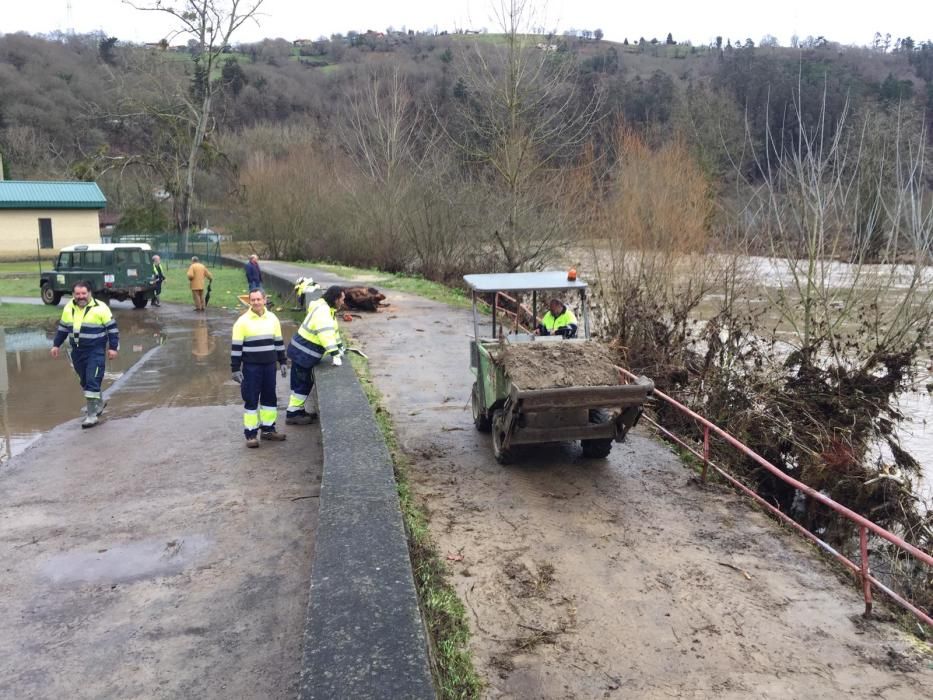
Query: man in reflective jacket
[559, 320]
[315, 338]
[256, 346]
[92, 331]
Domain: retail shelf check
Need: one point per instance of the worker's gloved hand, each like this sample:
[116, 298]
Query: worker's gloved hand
[237, 377]
[283, 370]
[336, 360]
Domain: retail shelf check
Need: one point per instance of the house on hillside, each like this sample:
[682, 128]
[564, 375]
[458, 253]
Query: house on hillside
[46, 216]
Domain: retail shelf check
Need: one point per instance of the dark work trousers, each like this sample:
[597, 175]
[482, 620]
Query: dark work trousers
[259, 402]
[89, 365]
[302, 382]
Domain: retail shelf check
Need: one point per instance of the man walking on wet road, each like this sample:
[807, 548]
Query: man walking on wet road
[197, 276]
[159, 274]
[90, 327]
[316, 337]
[256, 346]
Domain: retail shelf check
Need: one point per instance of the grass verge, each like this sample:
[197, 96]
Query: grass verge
[444, 613]
[22, 315]
[410, 284]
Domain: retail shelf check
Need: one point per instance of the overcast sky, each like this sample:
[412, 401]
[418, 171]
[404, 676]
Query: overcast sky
[849, 22]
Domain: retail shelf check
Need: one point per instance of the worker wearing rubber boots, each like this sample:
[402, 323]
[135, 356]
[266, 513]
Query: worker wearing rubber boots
[92, 331]
[315, 338]
[559, 320]
[256, 347]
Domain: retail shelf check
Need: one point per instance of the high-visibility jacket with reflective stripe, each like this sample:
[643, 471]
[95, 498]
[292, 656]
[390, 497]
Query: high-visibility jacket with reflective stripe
[256, 340]
[551, 323]
[316, 336]
[90, 327]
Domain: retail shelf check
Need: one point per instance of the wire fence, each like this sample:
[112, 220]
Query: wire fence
[207, 247]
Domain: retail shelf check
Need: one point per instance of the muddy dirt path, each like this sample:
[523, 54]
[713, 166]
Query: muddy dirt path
[153, 556]
[615, 578]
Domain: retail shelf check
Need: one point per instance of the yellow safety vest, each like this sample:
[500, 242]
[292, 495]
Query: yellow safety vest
[90, 326]
[256, 340]
[317, 335]
[552, 323]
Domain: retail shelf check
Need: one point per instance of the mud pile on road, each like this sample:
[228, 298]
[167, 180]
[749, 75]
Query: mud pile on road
[543, 365]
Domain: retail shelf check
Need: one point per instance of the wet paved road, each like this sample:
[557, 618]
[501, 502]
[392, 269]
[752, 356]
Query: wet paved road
[153, 556]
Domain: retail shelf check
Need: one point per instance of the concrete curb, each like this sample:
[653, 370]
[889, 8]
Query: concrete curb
[364, 636]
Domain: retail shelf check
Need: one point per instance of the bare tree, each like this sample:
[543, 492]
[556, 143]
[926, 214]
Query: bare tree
[382, 132]
[522, 119]
[210, 25]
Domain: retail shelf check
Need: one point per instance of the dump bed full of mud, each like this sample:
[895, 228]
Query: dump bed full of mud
[558, 365]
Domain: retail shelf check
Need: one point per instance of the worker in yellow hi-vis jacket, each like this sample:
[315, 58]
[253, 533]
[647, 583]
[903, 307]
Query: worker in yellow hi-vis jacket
[256, 347]
[92, 331]
[315, 338]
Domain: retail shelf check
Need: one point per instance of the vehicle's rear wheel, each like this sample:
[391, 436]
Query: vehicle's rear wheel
[140, 300]
[480, 417]
[597, 449]
[103, 298]
[49, 295]
[503, 455]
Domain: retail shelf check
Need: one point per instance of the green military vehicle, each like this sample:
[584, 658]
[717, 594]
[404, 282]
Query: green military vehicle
[118, 271]
[597, 413]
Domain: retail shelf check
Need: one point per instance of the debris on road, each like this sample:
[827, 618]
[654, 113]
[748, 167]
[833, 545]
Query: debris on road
[363, 298]
[736, 568]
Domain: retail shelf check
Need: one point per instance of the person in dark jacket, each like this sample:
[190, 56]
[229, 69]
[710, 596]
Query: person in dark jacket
[253, 273]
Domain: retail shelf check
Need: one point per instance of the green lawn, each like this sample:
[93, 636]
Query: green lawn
[19, 281]
[227, 284]
[20, 285]
[27, 266]
[19, 315]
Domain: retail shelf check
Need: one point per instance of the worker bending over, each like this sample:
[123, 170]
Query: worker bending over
[559, 320]
[94, 337]
[315, 338]
[257, 345]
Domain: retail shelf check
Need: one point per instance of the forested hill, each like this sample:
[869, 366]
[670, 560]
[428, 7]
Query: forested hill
[61, 98]
[93, 107]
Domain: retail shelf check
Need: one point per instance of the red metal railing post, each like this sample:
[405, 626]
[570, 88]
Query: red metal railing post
[863, 565]
[705, 452]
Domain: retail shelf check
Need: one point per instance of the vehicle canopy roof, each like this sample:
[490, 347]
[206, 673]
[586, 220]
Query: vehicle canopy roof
[104, 247]
[548, 280]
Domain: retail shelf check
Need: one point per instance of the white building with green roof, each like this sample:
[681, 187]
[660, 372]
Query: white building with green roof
[47, 216]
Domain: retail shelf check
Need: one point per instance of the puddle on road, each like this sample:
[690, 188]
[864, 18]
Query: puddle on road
[192, 368]
[125, 563]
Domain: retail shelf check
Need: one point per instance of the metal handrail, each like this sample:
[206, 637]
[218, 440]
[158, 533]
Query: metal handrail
[513, 314]
[861, 568]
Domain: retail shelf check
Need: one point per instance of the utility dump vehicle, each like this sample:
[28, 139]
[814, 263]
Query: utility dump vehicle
[596, 415]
